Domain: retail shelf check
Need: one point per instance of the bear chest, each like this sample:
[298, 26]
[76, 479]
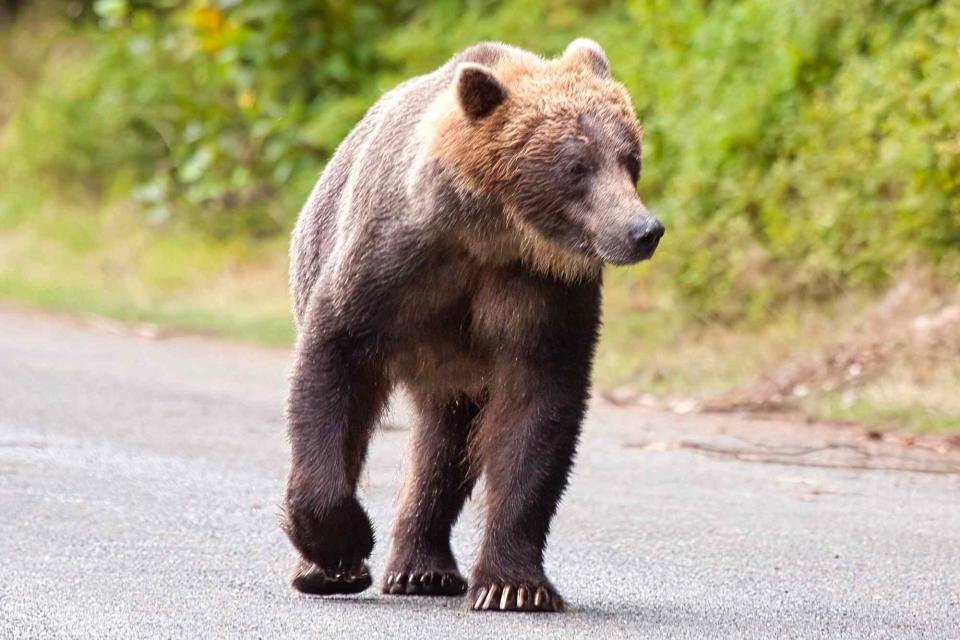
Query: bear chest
[456, 321]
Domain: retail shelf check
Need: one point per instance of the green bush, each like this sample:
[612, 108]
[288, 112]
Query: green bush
[794, 148]
[212, 107]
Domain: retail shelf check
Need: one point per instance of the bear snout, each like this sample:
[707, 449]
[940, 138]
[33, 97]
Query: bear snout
[644, 237]
[628, 240]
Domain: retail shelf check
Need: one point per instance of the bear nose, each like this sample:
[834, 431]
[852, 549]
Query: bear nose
[645, 236]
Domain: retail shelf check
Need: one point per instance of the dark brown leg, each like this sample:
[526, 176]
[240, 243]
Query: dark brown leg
[421, 561]
[526, 443]
[337, 391]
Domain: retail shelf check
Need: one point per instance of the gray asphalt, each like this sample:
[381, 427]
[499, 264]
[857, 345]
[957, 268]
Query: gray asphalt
[139, 484]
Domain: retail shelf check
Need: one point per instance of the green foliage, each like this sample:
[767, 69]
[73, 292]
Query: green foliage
[793, 148]
[210, 106]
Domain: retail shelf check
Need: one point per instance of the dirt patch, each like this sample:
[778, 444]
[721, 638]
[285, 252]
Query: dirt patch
[916, 324]
[891, 368]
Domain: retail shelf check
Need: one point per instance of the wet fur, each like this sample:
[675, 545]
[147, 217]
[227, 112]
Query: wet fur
[411, 266]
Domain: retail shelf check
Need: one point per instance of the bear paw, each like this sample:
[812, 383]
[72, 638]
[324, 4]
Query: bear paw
[425, 583]
[306, 577]
[336, 539]
[518, 596]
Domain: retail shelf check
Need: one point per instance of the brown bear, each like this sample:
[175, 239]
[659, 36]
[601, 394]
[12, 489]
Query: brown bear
[454, 246]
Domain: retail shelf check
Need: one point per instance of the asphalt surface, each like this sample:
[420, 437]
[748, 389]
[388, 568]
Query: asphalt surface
[139, 484]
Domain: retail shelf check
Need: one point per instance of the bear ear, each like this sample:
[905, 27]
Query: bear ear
[478, 90]
[587, 53]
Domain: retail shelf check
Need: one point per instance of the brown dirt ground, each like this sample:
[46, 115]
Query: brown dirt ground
[914, 328]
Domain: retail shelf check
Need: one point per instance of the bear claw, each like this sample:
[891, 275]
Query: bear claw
[311, 579]
[514, 597]
[429, 583]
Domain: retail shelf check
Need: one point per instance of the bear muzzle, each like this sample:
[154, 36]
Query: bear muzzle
[631, 241]
[644, 237]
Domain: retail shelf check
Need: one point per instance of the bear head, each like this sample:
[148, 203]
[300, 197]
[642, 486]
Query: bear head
[557, 145]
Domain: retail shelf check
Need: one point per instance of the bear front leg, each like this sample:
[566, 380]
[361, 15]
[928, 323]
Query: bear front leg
[526, 443]
[438, 482]
[336, 393]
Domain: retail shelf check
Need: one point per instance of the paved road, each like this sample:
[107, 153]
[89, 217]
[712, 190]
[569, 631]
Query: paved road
[139, 483]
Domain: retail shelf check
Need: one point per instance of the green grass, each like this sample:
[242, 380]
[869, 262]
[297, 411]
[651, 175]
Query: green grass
[267, 328]
[918, 393]
[72, 256]
[915, 417]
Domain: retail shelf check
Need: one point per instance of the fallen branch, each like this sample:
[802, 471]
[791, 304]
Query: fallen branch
[764, 457]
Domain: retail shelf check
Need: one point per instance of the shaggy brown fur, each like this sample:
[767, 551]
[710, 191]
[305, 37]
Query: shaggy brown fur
[454, 246]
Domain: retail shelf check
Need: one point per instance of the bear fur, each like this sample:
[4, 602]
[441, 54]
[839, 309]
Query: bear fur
[454, 246]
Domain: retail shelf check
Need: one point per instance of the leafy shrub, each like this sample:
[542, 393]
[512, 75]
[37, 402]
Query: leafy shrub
[793, 148]
[211, 106]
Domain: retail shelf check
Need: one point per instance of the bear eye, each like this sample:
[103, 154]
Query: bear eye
[633, 167]
[579, 169]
